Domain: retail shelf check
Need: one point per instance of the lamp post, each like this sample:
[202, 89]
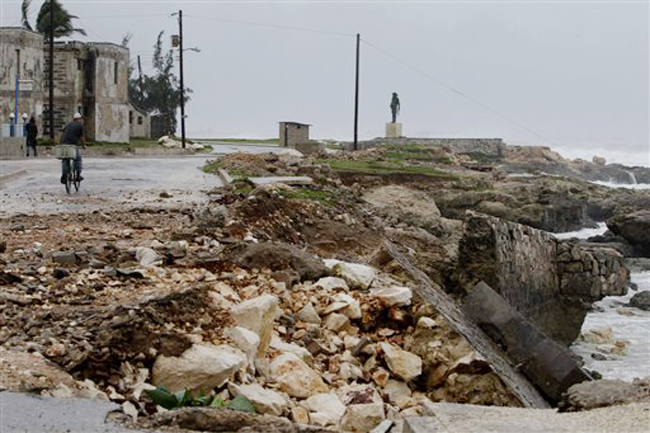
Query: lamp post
[177, 40]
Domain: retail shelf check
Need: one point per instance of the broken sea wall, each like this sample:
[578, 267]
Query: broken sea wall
[551, 283]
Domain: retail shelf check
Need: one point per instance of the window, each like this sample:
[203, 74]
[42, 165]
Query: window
[139, 120]
[130, 117]
[80, 64]
[115, 73]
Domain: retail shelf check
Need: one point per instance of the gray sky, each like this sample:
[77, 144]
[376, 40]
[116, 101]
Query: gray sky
[576, 74]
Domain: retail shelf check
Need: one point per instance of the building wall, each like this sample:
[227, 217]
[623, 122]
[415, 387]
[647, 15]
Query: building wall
[30, 45]
[139, 124]
[111, 92]
[293, 133]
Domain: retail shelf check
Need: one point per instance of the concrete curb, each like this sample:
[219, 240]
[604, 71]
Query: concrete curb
[13, 175]
[224, 176]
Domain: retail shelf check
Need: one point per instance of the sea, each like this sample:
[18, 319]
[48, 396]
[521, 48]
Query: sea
[616, 337]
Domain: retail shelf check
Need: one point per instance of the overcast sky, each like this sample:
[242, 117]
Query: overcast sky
[570, 75]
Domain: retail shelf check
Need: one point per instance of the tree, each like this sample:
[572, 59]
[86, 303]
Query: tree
[62, 19]
[24, 9]
[159, 94]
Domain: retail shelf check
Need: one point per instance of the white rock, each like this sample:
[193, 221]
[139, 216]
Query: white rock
[349, 371]
[403, 364]
[394, 296]
[300, 415]
[280, 345]
[245, 340]
[258, 315]
[336, 322]
[295, 377]
[308, 314]
[326, 407]
[362, 417]
[147, 257]
[356, 275]
[330, 263]
[331, 283]
[345, 304]
[129, 409]
[398, 392]
[199, 367]
[358, 394]
[426, 323]
[264, 400]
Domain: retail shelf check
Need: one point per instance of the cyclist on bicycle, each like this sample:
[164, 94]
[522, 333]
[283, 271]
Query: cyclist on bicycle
[73, 134]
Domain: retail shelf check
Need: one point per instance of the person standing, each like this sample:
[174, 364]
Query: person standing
[73, 133]
[31, 131]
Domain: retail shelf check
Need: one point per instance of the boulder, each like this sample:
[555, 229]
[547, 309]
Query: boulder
[275, 256]
[641, 300]
[326, 409]
[405, 365]
[308, 314]
[404, 204]
[278, 344]
[398, 393]
[332, 283]
[336, 322]
[295, 377]
[634, 228]
[599, 160]
[362, 418]
[601, 393]
[258, 315]
[198, 368]
[64, 257]
[147, 256]
[394, 296]
[356, 275]
[264, 400]
[245, 340]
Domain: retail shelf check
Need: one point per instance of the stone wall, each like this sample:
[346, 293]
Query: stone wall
[30, 94]
[550, 282]
[12, 147]
[492, 147]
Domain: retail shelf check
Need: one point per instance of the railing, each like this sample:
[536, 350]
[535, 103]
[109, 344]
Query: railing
[12, 130]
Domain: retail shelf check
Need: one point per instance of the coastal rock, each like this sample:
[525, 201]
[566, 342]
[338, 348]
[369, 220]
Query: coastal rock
[295, 377]
[601, 393]
[641, 300]
[635, 228]
[357, 276]
[198, 368]
[405, 365]
[258, 315]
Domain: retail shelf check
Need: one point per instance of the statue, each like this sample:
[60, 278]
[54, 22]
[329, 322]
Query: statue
[394, 106]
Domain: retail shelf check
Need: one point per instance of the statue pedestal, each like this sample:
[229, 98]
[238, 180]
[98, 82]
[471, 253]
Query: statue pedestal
[393, 130]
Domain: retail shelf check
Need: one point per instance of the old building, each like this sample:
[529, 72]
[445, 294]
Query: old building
[92, 79]
[292, 133]
[21, 78]
[139, 122]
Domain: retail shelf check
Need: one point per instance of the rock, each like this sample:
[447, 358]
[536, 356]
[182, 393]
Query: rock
[281, 346]
[65, 258]
[198, 368]
[383, 427]
[405, 365]
[394, 296]
[404, 204]
[60, 273]
[3, 246]
[358, 394]
[356, 275]
[601, 393]
[599, 160]
[641, 300]
[634, 228]
[362, 417]
[602, 335]
[332, 283]
[129, 409]
[326, 409]
[275, 257]
[295, 377]
[398, 393]
[346, 305]
[336, 322]
[264, 400]
[147, 257]
[258, 315]
[300, 415]
[245, 340]
[177, 249]
[206, 419]
[308, 314]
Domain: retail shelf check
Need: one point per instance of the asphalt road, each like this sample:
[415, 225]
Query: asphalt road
[110, 182]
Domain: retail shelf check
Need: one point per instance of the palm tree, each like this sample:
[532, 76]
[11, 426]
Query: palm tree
[25, 11]
[62, 19]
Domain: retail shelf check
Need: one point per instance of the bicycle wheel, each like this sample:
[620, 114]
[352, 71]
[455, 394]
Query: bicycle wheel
[77, 181]
[68, 176]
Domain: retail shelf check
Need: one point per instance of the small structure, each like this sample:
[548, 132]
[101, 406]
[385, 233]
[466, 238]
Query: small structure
[292, 133]
[394, 128]
[139, 122]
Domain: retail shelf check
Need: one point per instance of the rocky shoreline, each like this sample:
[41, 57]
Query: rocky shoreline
[288, 297]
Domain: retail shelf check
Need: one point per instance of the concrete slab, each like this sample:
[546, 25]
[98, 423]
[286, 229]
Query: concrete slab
[289, 180]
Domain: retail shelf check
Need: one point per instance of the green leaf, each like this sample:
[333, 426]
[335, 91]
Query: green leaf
[241, 403]
[203, 400]
[182, 397]
[162, 397]
[217, 402]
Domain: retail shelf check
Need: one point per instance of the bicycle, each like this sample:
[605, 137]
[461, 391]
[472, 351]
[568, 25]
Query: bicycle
[71, 176]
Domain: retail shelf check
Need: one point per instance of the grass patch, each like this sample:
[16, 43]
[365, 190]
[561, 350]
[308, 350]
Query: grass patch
[213, 167]
[374, 167]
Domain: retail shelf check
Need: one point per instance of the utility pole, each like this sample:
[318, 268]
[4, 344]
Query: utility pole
[180, 42]
[356, 97]
[51, 71]
[139, 73]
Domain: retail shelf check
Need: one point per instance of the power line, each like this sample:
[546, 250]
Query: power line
[458, 92]
[273, 26]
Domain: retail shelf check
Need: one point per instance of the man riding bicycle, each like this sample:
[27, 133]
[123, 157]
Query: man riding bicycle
[73, 134]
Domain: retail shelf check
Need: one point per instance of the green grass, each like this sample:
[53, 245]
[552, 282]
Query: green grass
[374, 167]
[212, 167]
